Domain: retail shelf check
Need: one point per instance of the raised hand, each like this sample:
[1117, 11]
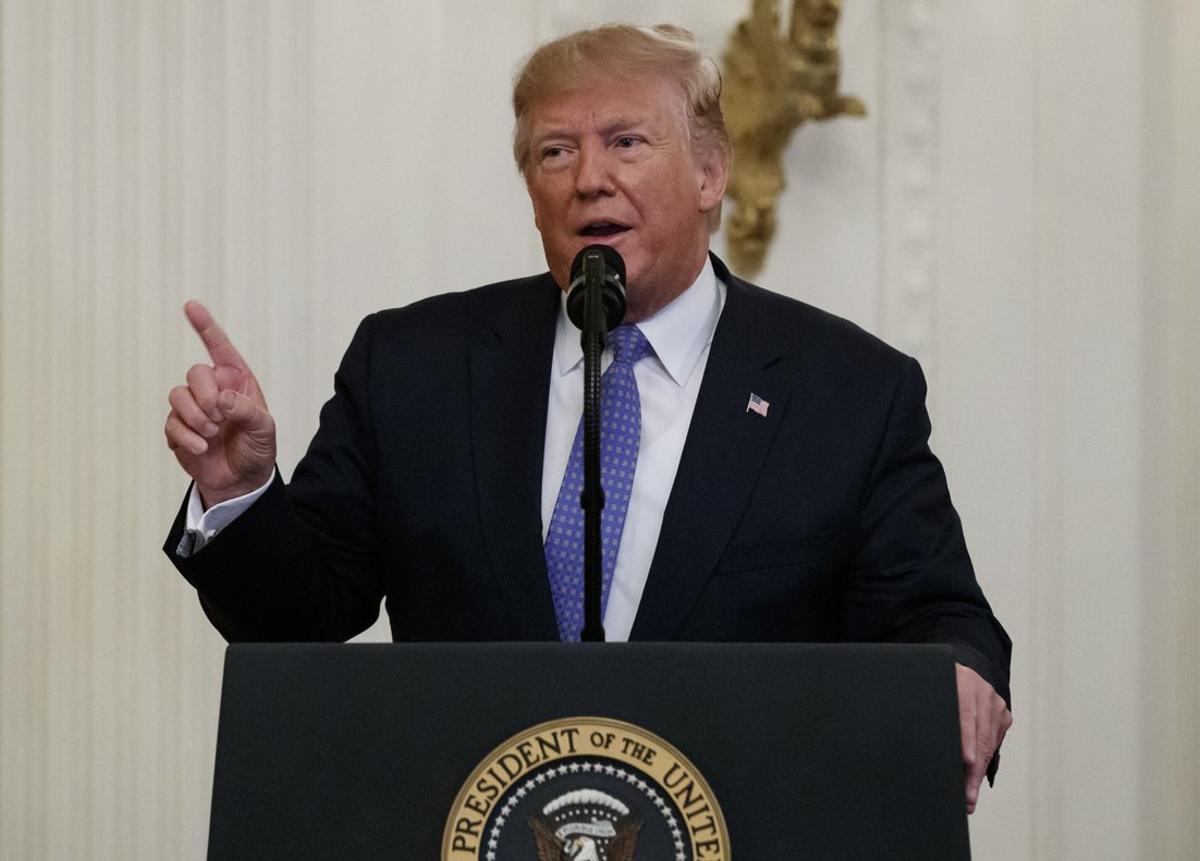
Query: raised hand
[218, 426]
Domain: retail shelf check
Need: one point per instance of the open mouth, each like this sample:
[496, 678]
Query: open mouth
[603, 228]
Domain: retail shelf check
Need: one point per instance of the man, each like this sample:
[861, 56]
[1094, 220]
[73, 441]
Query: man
[777, 484]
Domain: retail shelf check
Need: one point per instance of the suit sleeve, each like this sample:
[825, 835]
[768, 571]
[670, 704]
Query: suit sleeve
[911, 579]
[301, 563]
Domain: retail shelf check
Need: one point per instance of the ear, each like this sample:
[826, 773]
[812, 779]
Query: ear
[714, 175]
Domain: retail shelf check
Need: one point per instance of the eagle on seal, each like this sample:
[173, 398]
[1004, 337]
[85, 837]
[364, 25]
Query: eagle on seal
[585, 825]
[583, 848]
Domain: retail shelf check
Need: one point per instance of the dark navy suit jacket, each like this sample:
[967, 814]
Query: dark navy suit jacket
[828, 519]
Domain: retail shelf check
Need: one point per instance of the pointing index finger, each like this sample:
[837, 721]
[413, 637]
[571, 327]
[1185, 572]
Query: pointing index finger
[219, 347]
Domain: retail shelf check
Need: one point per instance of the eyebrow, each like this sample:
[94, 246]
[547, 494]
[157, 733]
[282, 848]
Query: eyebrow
[623, 124]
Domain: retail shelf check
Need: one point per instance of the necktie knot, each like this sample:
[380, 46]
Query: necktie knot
[628, 344]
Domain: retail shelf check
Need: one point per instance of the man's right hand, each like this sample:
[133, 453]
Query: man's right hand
[218, 426]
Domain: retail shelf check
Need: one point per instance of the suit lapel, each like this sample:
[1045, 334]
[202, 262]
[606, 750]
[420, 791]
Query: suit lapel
[510, 378]
[720, 463]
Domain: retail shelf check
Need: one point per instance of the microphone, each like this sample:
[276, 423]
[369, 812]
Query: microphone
[601, 266]
[596, 304]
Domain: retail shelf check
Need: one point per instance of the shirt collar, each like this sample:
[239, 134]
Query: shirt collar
[679, 332]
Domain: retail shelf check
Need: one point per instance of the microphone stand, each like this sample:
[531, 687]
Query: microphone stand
[592, 497]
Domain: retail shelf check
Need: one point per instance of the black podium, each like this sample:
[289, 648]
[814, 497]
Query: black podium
[807, 751]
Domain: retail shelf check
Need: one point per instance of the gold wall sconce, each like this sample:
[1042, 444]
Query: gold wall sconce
[773, 83]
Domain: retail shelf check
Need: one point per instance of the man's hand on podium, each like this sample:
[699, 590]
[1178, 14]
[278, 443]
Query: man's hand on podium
[983, 719]
[218, 426]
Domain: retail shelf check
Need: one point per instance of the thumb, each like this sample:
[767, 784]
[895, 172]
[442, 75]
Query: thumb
[242, 412]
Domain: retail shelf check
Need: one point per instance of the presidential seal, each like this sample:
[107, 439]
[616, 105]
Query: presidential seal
[585, 789]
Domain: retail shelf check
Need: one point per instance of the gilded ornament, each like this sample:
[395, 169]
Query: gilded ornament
[773, 83]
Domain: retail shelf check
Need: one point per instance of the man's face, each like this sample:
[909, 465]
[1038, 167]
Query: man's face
[612, 163]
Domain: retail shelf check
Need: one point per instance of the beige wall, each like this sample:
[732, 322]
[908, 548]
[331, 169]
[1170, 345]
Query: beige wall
[1018, 211]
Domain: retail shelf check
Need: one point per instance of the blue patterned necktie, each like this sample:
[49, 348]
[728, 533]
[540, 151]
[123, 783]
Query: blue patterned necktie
[620, 434]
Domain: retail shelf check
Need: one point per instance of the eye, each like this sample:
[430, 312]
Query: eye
[627, 142]
[552, 152]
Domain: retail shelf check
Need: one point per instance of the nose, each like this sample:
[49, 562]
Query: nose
[593, 175]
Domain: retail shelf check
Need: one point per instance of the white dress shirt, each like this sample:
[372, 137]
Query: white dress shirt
[668, 384]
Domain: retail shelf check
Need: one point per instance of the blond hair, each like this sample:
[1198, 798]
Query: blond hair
[666, 50]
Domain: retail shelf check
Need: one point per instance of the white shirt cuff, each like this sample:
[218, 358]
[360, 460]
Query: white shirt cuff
[202, 526]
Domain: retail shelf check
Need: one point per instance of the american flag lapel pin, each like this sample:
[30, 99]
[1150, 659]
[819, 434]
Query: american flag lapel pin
[757, 405]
